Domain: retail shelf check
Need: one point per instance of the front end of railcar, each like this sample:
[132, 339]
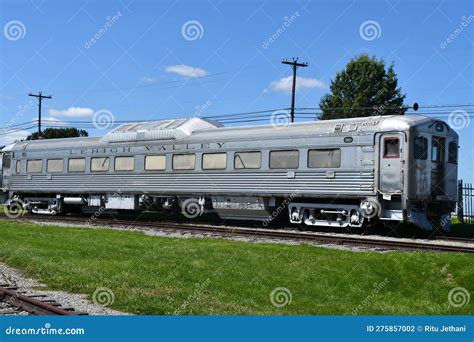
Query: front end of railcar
[5, 165]
[432, 175]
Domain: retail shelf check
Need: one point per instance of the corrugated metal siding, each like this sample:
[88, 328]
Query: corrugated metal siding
[309, 183]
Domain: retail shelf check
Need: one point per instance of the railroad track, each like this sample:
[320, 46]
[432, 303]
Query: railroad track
[15, 302]
[454, 239]
[467, 245]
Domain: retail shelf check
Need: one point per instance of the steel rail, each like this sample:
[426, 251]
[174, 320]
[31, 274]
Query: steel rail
[32, 305]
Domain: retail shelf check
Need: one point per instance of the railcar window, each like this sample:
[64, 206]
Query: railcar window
[453, 153]
[54, 165]
[421, 148]
[214, 161]
[434, 151]
[184, 161]
[77, 165]
[18, 166]
[124, 163]
[100, 164]
[284, 159]
[155, 163]
[247, 160]
[34, 166]
[324, 158]
[391, 148]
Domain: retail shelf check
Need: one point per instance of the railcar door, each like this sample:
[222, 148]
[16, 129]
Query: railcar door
[438, 155]
[391, 163]
[452, 169]
[6, 170]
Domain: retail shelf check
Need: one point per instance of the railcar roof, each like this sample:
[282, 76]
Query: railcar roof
[195, 129]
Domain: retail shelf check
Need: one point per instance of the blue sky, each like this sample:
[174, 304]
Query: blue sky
[159, 59]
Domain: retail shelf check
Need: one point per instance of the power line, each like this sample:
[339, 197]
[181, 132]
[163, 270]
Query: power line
[375, 107]
[260, 117]
[236, 120]
[435, 111]
[246, 113]
[16, 130]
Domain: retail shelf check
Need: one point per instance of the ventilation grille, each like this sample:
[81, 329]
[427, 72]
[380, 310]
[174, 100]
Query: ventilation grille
[158, 130]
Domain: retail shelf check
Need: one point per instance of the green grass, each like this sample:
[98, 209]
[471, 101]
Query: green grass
[158, 275]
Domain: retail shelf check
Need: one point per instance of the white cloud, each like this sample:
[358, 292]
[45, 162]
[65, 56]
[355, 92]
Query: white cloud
[50, 120]
[10, 138]
[147, 79]
[186, 70]
[72, 111]
[285, 84]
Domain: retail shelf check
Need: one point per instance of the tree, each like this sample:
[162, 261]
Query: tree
[364, 88]
[55, 133]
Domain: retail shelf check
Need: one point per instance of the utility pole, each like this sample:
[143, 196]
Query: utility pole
[40, 97]
[295, 65]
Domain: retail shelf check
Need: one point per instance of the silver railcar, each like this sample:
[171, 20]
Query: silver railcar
[338, 173]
